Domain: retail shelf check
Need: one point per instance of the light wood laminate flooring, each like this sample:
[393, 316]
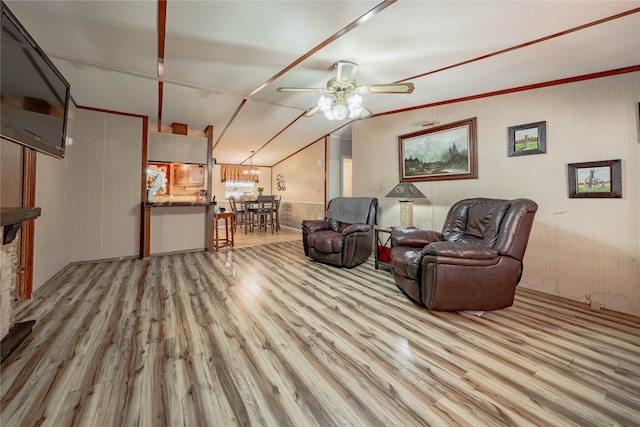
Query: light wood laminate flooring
[255, 237]
[263, 336]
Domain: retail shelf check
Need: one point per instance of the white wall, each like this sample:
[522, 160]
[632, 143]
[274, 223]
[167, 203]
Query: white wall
[52, 230]
[582, 249]
[304, 174]
[337, 149]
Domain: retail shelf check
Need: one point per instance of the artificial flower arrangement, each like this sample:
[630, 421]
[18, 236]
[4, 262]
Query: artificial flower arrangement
[260, 188]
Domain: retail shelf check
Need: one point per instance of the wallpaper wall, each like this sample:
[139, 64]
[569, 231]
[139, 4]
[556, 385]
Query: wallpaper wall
[580, 249]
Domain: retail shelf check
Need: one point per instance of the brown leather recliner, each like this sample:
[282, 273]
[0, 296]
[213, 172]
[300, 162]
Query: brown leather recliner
[474, 264]
[345, 237]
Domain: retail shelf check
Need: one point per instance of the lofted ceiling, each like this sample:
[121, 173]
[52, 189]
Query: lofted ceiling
[223, 60]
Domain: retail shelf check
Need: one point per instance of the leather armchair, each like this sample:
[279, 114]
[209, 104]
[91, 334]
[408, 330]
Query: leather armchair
[475, 263]
[345, 237]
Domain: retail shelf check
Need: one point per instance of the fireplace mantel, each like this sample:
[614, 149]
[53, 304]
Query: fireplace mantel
[11, 221]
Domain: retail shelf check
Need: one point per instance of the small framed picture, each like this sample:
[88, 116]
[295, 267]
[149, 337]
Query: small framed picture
[527, 139]
[595, 179]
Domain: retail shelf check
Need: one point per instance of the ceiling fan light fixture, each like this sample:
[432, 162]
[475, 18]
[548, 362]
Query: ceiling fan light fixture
[339, 106]
[344, 97]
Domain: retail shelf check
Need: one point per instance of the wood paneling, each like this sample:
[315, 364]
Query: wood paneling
[293, 213]
[262, 335]
[120, 186]
[106, 193]
[29, 166]
[168, 147]
[10, 174]
[175, 229]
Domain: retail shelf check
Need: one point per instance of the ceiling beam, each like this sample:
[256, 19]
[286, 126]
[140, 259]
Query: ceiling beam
[364, 18]
[361, 20]
[529, 43]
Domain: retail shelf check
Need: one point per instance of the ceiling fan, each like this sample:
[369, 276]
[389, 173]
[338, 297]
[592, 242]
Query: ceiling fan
[345, 97]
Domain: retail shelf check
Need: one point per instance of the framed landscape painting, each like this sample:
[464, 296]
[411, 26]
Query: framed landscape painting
[441, 153]
[527, 139]
[595, 179]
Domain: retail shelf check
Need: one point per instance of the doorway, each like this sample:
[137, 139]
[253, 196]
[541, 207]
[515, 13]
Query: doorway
[347, 176]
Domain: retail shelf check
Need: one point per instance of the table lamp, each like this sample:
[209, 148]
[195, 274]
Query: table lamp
[404, 190]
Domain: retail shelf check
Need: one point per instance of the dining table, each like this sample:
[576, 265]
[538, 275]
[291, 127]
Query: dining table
[250, 204]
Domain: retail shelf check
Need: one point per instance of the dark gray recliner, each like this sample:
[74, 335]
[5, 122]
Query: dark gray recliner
[345, 237]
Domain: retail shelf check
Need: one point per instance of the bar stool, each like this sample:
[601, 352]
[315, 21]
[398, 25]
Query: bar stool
[227, 240]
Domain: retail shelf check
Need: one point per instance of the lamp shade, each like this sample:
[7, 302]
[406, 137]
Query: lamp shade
[404, 190]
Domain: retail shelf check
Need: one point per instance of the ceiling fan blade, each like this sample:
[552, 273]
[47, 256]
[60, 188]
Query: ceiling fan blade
[386, 88]
[365, 113]
[346, 71]
[312, 111]
[303, 89]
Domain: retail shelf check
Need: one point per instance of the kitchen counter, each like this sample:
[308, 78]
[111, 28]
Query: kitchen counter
[181, 229]
[181, 203]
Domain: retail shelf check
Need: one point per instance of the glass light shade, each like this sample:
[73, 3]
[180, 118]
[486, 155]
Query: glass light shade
[340, 111]
[354, 112]
[324, 103]
[340, 107]
[354, 100]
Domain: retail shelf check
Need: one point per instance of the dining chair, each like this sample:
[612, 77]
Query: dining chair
[264, 214]
[276, 211]
[250, 206]
[239, 214]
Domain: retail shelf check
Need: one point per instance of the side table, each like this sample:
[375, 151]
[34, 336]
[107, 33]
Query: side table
[383, 247]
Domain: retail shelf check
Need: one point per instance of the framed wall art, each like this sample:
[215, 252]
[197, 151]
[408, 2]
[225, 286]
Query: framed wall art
[159, 178]
[440, 153]
[601, 179]
[527, 139]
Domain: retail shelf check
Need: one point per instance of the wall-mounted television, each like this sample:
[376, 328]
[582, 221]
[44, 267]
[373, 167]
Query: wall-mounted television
[34, 94]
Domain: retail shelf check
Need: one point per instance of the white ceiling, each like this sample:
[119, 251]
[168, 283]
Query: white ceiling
[220, 54]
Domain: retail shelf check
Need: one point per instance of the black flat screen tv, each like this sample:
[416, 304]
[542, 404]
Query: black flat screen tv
[34, 94]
